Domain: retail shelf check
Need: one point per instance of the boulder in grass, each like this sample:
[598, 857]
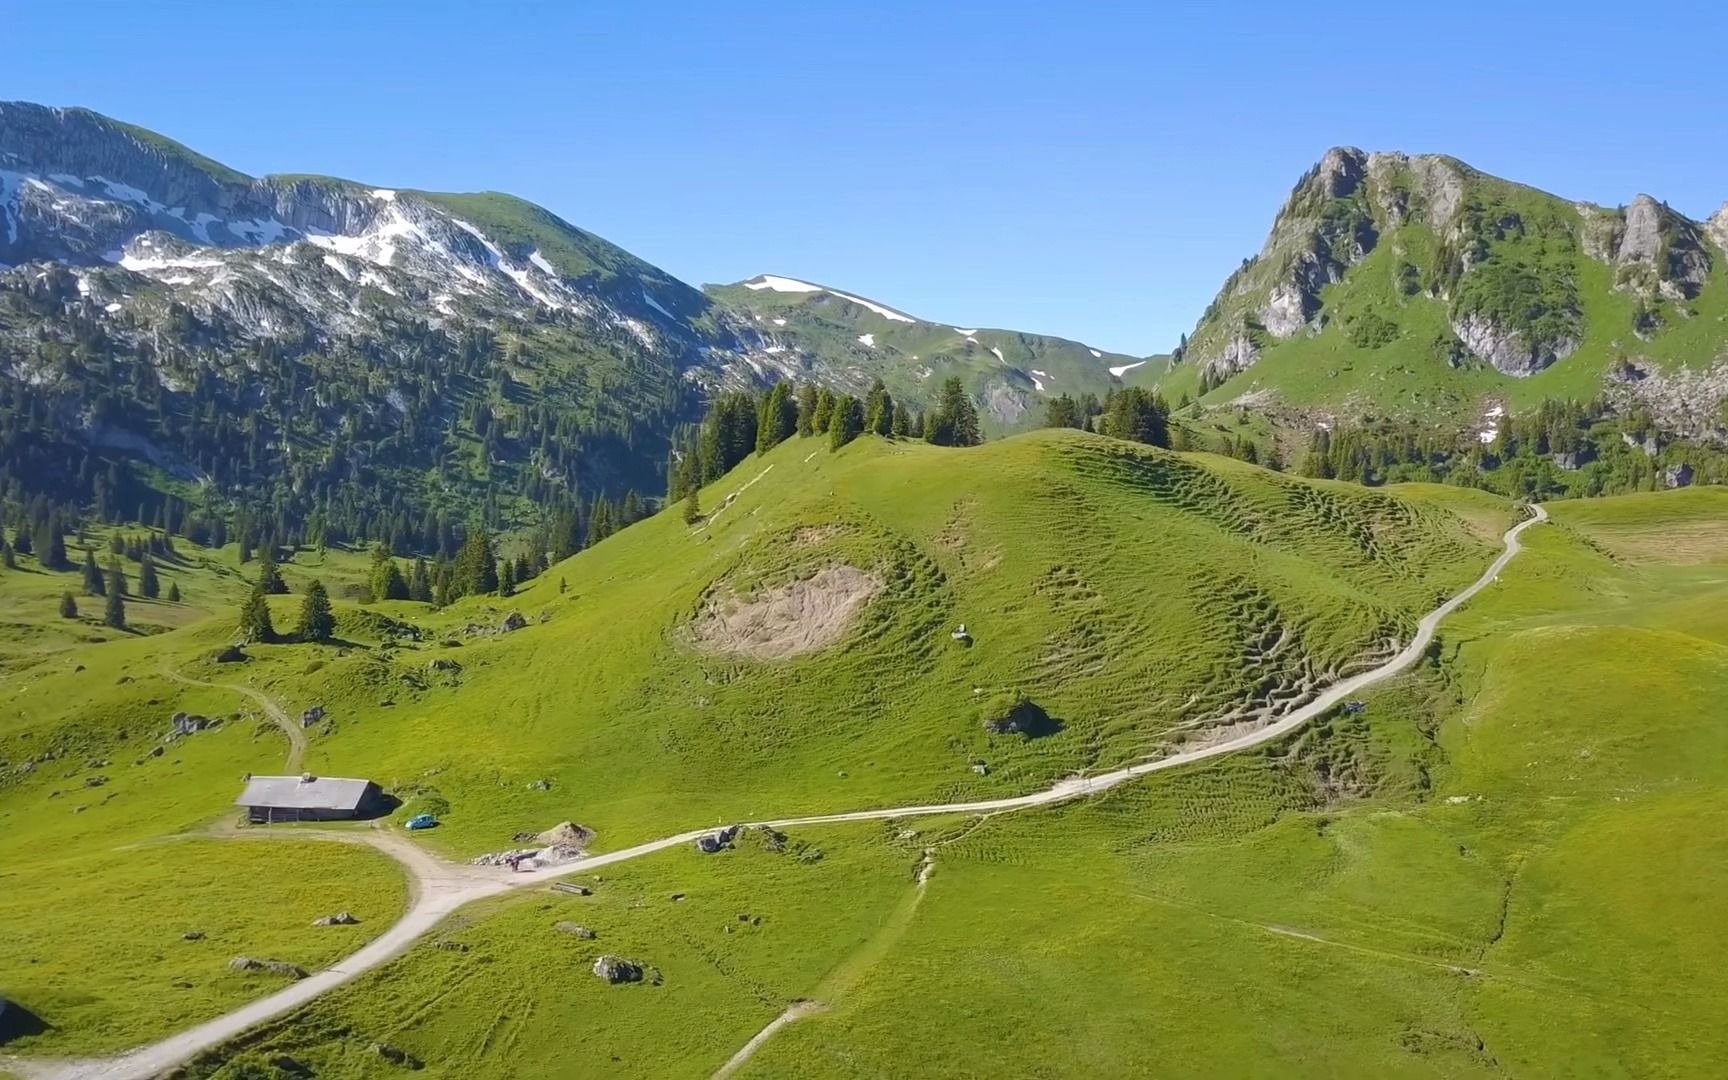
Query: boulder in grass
[574, 930]
[274, 967]
[341, 918]
[616, 969]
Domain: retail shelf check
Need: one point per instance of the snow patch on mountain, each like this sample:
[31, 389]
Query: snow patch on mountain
[999, 357]
[782, 284]
[646, 299]
[964, 333]
[384, 194]
[1126, 368]
[885, 312]
[540, 260]
[1096, 355]
[867, 339]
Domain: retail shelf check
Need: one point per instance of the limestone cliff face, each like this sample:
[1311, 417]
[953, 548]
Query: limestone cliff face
[1500, 258]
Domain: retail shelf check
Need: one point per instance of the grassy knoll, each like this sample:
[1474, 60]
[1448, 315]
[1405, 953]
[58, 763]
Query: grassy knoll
[94, 944]
[1507, 865]
[1123, 589]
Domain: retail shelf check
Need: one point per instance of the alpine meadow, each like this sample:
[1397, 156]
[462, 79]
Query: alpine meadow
[436, 639]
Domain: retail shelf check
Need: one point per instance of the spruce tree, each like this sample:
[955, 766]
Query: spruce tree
[173, 593]
[68, 606]
[270, 578]
[317, 621]
[8, 558]
[93, 583]
[822, 411]
[878, 410]
[507, 579]
[846, 423]
[902, 424]
[692, 508]
[21, 540]
[115, 613]
[51, 545]
[116, 577]
[255, 625]
[476, 572]
[386, 579]
[148, 585]
[805, 423]
[420, 582]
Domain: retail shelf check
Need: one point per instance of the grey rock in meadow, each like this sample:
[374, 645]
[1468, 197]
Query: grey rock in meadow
[616, 969]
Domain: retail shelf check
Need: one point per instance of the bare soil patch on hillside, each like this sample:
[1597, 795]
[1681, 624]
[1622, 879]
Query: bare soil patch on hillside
[785, 620]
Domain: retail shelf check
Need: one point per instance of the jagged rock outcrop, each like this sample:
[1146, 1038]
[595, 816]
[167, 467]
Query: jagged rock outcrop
[1717, 227]
[1507, 349]
[1658, 252]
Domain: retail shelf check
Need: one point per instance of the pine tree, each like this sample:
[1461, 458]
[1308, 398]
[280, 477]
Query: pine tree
[68, 606]
[507, 579]
[386, 580]
[692, 508]
[420, 582]
[21, 540]
[806, 421]
[955, 421]
[632, 511]
[148, 585]
[878, 410]
[476, 571]
[116, 577]
[902, 426]
[115, 613]
[173, 593]
[51, 545]
[255, 625]
[93, 583]
[846, 422]
[8, 558]
[270, 578]
[317, 621]
[822, 411]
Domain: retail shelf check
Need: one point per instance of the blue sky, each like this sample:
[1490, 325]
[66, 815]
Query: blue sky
[1091, 173]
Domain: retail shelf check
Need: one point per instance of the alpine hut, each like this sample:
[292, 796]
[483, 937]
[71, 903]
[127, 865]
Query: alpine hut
[308, 798]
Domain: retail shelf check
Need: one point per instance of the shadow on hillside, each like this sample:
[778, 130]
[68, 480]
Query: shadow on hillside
[17, 1022]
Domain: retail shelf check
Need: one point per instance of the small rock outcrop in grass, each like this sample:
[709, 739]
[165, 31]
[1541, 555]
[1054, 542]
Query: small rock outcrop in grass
[616, 969]
[787, 620]
[1017, 714]
[341, 918]
[274, 967]
[574, 930]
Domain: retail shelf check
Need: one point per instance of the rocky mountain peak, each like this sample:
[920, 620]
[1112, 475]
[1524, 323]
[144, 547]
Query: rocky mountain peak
[1717, 227]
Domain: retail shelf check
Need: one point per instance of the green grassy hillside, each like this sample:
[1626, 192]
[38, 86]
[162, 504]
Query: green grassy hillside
[1507, 865]
[1138, 598]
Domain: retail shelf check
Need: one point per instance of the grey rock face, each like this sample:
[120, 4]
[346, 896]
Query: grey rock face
[1678, 477]
[616, 969]
[1238, 354]
[1717, 227]
[1506, 349]
[1667, 244]
[1341, 171]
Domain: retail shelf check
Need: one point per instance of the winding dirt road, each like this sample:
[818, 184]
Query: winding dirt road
[278, 715]
[440, 888]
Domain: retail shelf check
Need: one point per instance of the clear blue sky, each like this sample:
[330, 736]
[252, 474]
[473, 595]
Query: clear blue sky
[1094, 174]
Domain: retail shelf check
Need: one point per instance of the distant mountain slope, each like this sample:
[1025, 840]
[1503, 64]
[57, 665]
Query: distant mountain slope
[799, 325]
[270, 340]
[1417, 285]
